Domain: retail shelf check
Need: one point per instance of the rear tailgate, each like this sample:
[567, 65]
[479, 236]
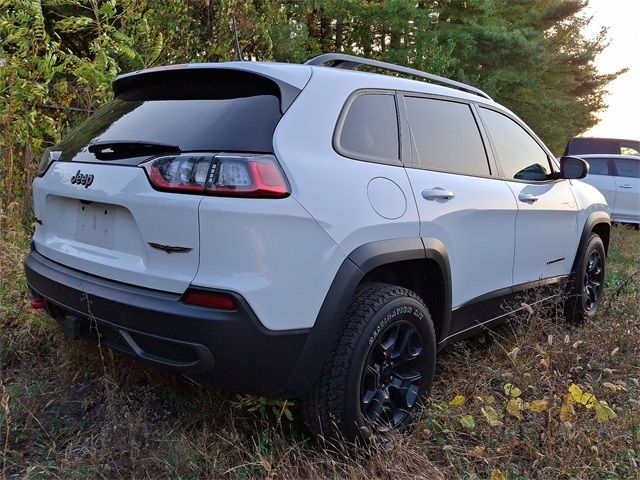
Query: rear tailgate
[96, 208]
[107, 228]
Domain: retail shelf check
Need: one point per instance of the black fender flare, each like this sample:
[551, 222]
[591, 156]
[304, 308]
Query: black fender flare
[595, 218]
[323, 335]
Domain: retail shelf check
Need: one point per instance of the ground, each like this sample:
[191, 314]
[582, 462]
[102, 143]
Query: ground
[536, 398]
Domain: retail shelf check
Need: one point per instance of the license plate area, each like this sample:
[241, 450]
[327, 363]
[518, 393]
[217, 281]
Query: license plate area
[95, 224]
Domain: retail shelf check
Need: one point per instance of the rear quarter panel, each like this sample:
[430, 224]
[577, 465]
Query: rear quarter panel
[332, 188]
[272, 252]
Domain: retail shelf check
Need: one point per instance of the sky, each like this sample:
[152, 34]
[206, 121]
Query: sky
[622, 118]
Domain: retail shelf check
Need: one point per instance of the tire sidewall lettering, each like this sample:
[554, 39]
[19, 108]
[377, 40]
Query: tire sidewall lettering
[395, 313]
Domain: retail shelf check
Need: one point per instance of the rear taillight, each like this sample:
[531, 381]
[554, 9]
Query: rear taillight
[48, 157]
[204, 298]
[229, 175]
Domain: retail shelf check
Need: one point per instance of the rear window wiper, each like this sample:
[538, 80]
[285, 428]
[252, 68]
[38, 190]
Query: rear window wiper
[115, 149]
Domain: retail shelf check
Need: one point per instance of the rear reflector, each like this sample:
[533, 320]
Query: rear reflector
[203, 298]
[38, 304]
[225, 175]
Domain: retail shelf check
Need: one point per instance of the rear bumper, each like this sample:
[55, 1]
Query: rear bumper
[229, 350]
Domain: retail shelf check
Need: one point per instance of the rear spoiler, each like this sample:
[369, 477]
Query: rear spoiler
[216, 80]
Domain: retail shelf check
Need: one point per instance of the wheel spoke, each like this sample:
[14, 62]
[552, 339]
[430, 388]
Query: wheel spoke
[406, 352]
[380, 406]
[374, 370]
[375, 412]
[410, 357]
[388, 344]
[399, 416]
[411, 376]
[368, 396]
[401, 349]
[392, 377]
[405, 393]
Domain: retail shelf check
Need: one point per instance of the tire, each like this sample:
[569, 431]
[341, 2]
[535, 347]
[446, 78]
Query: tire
[588, 282]
[379, 370]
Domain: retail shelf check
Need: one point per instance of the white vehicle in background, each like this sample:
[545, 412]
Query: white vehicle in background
[618, 179]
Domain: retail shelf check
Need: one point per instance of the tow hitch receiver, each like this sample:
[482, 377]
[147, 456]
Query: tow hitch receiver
[72, 327]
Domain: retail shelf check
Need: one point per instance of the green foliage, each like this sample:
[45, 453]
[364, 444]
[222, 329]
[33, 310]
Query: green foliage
[531, 56]
[59, 57]
[267, 409]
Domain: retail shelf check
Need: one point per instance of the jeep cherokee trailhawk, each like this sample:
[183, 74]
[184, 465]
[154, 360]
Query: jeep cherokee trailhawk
[306, 231]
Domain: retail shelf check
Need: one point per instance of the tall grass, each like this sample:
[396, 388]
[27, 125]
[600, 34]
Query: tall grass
[68, 410]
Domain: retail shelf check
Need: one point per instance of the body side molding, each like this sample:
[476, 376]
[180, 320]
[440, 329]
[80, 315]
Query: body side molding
[492, 307]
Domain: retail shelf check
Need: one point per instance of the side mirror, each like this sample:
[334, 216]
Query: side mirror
[573, 168]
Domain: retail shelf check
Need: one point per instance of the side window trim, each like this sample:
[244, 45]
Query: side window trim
[407, 143]
[341, 121]
[494, 166]
[527, 130]
[405, 132]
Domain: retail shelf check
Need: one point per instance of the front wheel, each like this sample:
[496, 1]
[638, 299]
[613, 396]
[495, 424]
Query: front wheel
[588, 283]
[381, 367]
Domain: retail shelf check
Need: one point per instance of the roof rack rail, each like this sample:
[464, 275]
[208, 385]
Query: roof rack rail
[351, 62]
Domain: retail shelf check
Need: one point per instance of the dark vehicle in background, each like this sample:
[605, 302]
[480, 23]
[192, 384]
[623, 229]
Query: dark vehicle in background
[611, 146]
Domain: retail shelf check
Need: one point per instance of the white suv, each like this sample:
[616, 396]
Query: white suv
[306, 231]
[617, 177]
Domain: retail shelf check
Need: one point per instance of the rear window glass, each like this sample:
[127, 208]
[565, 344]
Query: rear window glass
[370, 129]
[222, 116]
[590, 145]
[630, 148]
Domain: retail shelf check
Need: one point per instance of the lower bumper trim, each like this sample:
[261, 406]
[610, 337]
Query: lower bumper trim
[227, 349]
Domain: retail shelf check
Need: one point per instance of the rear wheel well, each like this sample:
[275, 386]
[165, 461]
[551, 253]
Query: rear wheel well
[423, 277]
[603, 230]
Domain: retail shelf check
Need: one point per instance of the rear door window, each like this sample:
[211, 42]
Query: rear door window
[598, 166]
[520, 155]
[369, 129]
[627, 167]
[445, 136]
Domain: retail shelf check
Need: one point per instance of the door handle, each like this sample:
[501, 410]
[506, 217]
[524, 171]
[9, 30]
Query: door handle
[436, 193]
[527, 197]
[626, 185]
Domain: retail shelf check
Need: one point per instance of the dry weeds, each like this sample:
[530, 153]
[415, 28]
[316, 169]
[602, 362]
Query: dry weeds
[68, 412]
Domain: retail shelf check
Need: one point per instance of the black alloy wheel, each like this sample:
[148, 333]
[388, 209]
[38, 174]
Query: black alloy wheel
[381, 367]
[587, 287]
[392, 377]
[593, 281]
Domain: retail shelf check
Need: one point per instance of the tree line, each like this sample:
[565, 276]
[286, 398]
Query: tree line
[59, 57]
